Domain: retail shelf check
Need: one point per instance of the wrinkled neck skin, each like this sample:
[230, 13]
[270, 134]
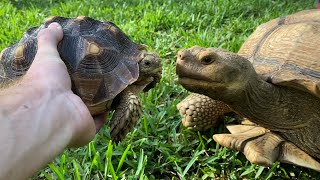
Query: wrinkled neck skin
[292, 114]
[275, 107]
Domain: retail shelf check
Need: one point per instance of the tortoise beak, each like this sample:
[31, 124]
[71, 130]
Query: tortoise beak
[183, 72]
[157, 75]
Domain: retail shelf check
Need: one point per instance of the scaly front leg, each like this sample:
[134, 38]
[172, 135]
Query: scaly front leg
[126, 115]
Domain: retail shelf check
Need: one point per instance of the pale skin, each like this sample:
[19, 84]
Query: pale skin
[40, 115]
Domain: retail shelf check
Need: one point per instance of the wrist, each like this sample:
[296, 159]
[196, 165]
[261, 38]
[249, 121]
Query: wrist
[31, 129]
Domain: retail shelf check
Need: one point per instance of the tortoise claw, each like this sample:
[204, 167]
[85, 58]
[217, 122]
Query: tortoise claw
[244, 142]
[248, 130]
[292, 154]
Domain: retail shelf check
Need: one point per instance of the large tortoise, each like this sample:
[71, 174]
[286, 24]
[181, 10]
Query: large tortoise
[274, 81]
[107, 69]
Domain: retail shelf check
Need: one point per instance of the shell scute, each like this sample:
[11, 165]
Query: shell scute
[101, 60]
[285, 51]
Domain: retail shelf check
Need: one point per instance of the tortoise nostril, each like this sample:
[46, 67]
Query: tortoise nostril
[181, 55]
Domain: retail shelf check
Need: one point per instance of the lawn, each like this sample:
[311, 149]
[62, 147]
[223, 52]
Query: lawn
[160, 147]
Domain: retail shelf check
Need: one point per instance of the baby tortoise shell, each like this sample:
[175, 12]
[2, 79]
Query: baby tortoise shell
[101, 60]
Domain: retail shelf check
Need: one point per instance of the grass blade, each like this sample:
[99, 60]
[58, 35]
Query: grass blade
[113, 173]
[109, 166]
[180, 174]
[46, 175]
[145, 125]
[62, 164]
[191, 162]
[261, 168]
[272, 170]
[77, 174]
[140, 163]
[56, 170]
[123, 157]
[248, 171]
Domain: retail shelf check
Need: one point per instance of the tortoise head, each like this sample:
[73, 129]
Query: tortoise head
[150, 71]
[216, 73]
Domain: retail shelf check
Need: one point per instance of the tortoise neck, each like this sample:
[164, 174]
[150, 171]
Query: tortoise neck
[274, 107]
[255, 100]
[292, 113]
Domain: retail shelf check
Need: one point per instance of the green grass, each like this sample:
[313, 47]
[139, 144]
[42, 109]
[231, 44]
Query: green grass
[159, 147]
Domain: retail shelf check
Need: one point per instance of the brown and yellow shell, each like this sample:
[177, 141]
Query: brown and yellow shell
[101, 60]
[285, 51]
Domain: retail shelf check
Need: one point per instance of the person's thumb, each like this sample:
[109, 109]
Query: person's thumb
[48, 40]
[47, 62]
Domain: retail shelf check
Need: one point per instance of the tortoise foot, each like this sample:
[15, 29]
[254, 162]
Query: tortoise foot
[262, 147]
[200, 112]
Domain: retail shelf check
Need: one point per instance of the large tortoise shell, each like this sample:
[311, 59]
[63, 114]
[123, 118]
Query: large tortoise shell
[102, 61]
[285, 51]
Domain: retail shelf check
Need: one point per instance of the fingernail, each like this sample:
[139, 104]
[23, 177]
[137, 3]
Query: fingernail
[54, 25]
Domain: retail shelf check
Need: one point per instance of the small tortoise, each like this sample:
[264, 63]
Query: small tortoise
[274, 81]
[107, 69]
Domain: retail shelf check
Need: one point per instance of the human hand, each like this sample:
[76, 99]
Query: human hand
[48, 74]
[40, 115]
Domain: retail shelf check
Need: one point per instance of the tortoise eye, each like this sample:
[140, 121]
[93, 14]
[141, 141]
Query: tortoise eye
[207, 60]
[147, 63]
